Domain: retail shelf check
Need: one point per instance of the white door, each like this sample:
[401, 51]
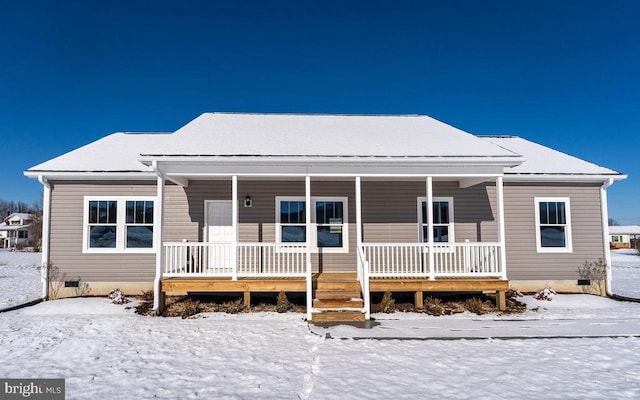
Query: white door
[219, 232]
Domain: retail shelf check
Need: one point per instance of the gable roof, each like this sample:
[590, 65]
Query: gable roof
[117, 152]
[542, 160]
[242, 137]
[231, 134]
[624, 229]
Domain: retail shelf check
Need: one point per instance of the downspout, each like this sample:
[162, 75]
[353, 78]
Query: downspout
[44, 246]
[605, 232]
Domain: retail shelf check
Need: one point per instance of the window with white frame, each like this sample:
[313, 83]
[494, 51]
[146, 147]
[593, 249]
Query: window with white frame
[328, 217]
[291, 220]
[329, 223]
[118, 224]
[553, 225]
[443, 228]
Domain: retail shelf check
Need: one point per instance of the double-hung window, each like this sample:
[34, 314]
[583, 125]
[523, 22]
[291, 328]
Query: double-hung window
[139, 224]
[443, 229]
[118, 224]
[329, 223]
[553, 225]
[291, 220]
[329, 228]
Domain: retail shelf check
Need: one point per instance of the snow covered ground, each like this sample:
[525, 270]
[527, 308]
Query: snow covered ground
[626, 272]
[107, 351]
[19, 277]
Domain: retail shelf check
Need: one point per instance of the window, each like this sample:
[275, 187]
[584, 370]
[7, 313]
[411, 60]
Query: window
[443, 231]
[102, 223]
[553, 225]
[139, 224]
[23, 235]
[292, 221]
[329, 223]
[328, 217]
[118, 224]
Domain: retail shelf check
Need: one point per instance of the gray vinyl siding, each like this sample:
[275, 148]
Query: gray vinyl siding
[523, 260]
[67, 210]
[390, 210]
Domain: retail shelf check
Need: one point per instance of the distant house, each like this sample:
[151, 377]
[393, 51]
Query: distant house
[14, 229]
[333, 206]
[624, 237]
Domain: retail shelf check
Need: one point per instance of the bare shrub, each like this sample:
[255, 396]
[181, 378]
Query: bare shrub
[512, 294]
[147, 296]
[433, 306]
[387, 304]
[282, 303]
[233, 307]
[82, 289]
[55, 281]
[595, 272]
[474, 305]
[187, 308]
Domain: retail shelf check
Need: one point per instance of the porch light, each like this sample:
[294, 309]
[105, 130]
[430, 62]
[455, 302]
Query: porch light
[247, 201]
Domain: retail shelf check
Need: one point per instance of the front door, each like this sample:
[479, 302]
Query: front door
[219, 232]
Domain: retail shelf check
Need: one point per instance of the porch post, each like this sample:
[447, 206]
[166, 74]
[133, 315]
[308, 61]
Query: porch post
[234, 224]
[158, 219]
[307, 208]
[432, 274]
[358, 220]
[501, 234]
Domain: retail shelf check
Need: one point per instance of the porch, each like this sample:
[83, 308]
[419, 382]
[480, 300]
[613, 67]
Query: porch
[248, 233]
[396, 267]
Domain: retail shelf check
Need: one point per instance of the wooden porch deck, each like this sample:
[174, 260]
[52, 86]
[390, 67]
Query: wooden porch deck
[342, 288]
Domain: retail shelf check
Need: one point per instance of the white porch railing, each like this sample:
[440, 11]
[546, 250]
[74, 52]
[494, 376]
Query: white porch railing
[363, 278]
[191, 259]
[450, 259]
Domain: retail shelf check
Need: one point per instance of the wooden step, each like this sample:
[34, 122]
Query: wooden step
[338, 303]
[345, 285]
[337, 294]
[337, 277]
[342, 316]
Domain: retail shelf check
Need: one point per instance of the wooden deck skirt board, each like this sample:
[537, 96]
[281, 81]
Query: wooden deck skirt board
[227, 285]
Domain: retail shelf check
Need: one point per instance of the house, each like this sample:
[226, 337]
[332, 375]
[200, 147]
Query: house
[14, 229]
[334, 206]
[624, 237]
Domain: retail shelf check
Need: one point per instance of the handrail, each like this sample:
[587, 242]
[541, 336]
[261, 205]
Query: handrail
[363, 277]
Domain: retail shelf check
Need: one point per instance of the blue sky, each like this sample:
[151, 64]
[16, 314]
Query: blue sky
[561, 73]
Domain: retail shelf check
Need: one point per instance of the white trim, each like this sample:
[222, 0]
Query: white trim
[157, 238]
[234, 225]
[568, 241]
[121, 210]
[92, 175]
[501, 226]
[280, 199]
[44, 245]
[451, 224]
[307, 199]
[311, 226]
[345, 225]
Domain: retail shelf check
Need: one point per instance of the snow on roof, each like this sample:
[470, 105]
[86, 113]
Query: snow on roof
[22, 216]
[117, 152]
[624, 229]
[544, 160]
[232, 134]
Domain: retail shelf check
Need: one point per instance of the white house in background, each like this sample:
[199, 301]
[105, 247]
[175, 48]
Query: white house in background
[333, 206]
[14, 229]
[624, 237]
